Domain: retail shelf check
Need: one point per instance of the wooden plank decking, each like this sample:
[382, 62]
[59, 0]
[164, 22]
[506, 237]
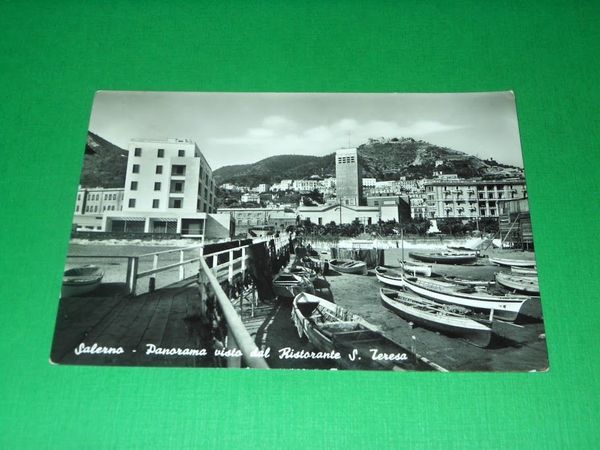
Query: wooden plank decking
[168, 318]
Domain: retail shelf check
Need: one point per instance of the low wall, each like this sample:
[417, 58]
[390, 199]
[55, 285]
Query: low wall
[104, 235]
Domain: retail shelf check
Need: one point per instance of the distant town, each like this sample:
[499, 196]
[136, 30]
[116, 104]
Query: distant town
[170, 189]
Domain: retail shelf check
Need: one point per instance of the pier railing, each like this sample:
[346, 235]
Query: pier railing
[237, 335]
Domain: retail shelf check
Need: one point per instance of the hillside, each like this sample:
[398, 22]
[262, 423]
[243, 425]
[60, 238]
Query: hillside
[381, 159]
[104, 163]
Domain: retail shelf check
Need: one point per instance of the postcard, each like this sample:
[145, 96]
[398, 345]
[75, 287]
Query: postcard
[302, 231]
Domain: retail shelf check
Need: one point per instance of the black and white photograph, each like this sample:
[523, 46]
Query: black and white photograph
[325, 231]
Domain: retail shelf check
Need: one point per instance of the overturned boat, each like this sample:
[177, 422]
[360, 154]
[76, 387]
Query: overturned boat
[81, 280]
[505, 306]
[348, 266]
[526, 284]
[451, 257]
[331, 328]
[448, 319]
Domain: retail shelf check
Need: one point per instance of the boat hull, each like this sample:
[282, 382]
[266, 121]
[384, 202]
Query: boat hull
[81, 280]
[438, 258]
[505, 309]
[388, 279]
[511, 262]
[353, 336]
[359, 268]
[528, 285]
[416, 269]
[468, 329]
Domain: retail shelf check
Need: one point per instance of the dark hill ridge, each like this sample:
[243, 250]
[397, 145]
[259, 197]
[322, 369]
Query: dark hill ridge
[104, 164]
[381, 159]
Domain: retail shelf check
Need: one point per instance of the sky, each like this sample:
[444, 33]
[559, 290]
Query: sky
[242, 128]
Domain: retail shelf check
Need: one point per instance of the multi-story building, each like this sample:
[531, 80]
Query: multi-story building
[348, 177]
[92, 203]
[250, 198]
[308, 185]
[393, 207]
[468, 199]
[418, 205]
[169, 188]
[262, 188]
[368, 182]
[245, 218]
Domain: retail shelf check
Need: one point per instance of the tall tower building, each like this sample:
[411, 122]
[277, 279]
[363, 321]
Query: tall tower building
[348, 177]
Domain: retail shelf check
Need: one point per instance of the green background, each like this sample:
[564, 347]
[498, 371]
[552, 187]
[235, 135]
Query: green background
[55, 55]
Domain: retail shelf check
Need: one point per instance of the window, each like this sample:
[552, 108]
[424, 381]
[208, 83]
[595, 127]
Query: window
[177, 186]
[155, 203]
[134, 185]
[157, 186]
[180, 153]
[158, 169]
[77, 209]
[160, 153]
[138, 151]
[178, 170]
[135, 168]
[132, 202]
[175, 203]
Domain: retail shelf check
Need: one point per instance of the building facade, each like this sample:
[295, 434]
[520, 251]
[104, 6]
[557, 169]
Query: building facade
[470, 199]
[322, 215]
[169, 188]
[92, 203]
[245, 218]
[348, 177]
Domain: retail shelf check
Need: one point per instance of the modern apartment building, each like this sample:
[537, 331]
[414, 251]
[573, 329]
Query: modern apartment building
[468, 199]
[169, 188]
[348, 177]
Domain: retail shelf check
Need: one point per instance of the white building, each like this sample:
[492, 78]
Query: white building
[369, 182]
[322, 215]
[250, 198]
[92, 203]
[169, 188]
[262, 188]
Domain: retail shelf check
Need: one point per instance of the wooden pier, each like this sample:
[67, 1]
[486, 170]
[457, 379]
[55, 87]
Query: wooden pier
[183, 324]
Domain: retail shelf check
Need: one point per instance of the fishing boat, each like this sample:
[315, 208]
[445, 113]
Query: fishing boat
[524, 271]
[303, 271]
[81, 280]
[467, 281]
[348, 266]
[416, 268]
[288, 285]
[529, 285]
[505, 306]
[446, 318]
[512, 262]
[462, 249]
[331, 328]
[452, 257]
[388, 276]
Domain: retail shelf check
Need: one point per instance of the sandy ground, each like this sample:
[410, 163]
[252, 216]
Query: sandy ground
[449, 352]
